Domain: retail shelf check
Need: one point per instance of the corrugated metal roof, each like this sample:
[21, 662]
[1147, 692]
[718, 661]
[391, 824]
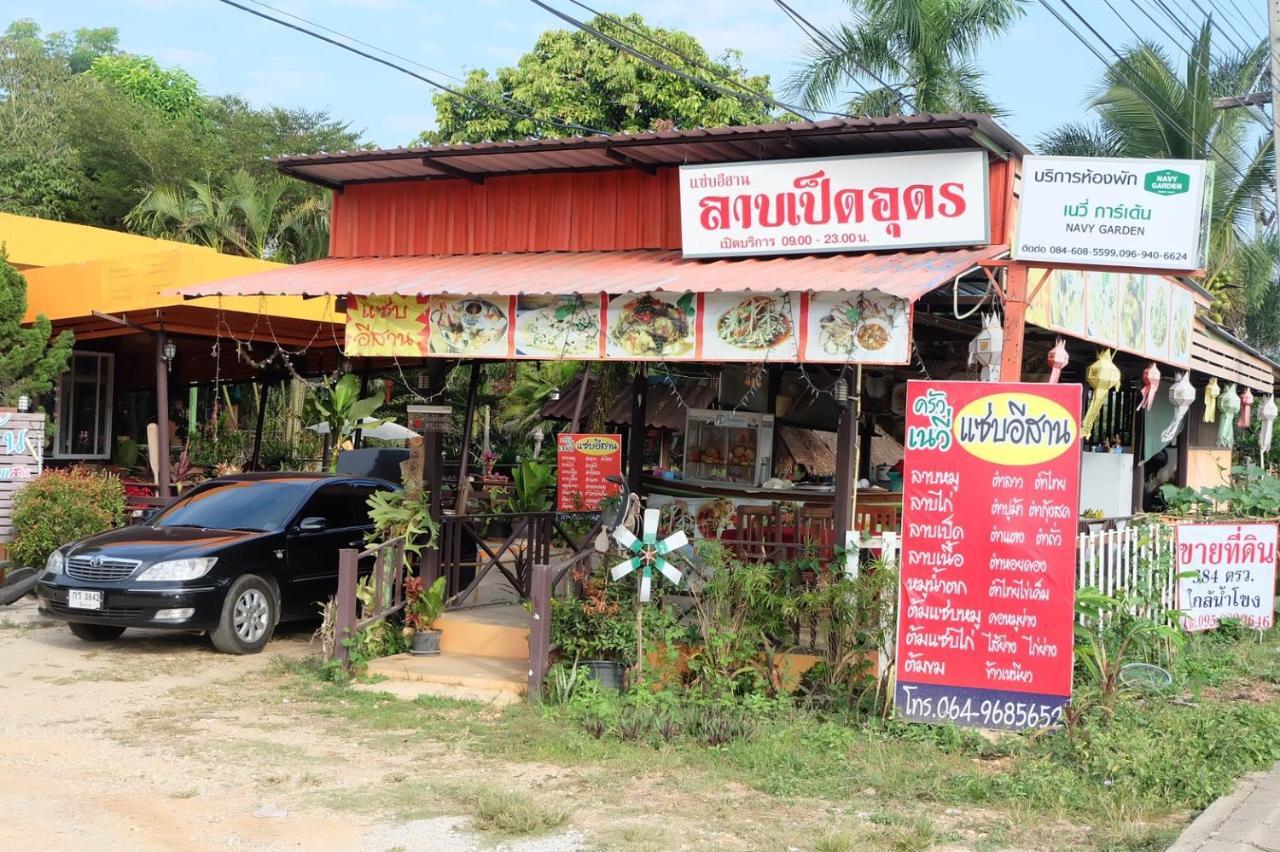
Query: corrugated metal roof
[905, 274]
[779, 140]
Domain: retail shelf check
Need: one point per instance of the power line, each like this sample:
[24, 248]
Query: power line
[1242, 45]
[430, 82]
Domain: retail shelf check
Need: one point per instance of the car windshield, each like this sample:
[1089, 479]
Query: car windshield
[256, 505]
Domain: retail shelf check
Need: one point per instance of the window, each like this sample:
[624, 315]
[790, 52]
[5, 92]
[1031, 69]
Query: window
[84, 407]
[264, 504]
[333, 503]
[362, 492]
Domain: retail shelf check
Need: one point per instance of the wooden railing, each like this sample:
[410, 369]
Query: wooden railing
[387, 586]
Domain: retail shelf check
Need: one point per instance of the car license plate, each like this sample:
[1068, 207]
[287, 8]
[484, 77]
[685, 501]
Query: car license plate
[81, 599]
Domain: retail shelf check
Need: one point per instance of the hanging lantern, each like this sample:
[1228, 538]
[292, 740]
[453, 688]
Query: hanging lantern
[1058, 359]
[1103, 376]
[985, 349]
[1228, 408]
[1150, 385]
[1181, 395]
[1246, 409]
[1211, 393]
[1266, 420]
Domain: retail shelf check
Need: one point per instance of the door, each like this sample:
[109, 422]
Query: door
[325, 524]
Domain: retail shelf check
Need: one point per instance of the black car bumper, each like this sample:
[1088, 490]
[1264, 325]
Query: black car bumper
[132, 605]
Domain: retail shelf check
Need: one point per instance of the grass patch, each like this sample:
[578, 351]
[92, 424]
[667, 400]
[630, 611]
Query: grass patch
[507, 813]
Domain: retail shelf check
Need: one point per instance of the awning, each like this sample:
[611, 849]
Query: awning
[907, 275]
[1215, 352]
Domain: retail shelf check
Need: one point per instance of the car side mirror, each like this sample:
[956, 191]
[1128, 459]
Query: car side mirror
[312, 525]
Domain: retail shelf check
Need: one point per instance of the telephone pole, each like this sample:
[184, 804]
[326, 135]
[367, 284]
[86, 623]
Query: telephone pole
[1273, 30]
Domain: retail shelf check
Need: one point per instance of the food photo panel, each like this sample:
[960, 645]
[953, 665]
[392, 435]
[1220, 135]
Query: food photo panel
[558, 326]
[471, 325]
[652, 326]
[857, 327]
[751, 326]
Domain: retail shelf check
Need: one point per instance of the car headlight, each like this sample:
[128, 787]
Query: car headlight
[179, 569]
[55, 563]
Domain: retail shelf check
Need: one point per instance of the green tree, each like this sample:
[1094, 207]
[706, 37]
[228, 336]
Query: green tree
[30, 361]
[1146, 106]
[243, 215]
[171, 91]
[575, 78]
[923, 52]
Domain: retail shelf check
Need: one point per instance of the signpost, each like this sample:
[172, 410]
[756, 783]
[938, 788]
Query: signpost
[21, 459]
[1101, 211]
[987, 584]
[582, 464]
[1226, 571]
[424, 419]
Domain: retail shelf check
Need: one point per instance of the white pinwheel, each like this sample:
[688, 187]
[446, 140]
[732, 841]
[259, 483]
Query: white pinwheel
[649, 553]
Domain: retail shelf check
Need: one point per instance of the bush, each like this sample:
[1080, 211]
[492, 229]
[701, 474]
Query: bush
[62, 506]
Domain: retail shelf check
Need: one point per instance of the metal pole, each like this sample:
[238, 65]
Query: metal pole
[263, 389]
[1273, 29]
[162, 416]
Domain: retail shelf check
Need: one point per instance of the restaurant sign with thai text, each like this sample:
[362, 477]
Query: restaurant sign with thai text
[1226, 571]
[987, 581]
[21, 460]
[834, 204]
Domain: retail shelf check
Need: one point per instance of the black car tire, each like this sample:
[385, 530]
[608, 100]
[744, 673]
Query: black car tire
[250, 613]
[94, 632]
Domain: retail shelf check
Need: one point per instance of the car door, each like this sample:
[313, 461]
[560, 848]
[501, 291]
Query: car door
[324, 525]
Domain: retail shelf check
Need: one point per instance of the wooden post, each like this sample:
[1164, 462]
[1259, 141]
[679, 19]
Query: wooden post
[1139, 466]
[846, 478]
[1015, 314]
[344, 617]
[264, 389]
[1184, 453]
[539, 628]
[468, 428]
[162, 416]
[636, 431]
[584, 379]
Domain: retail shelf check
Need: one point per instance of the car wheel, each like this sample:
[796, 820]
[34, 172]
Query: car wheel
[94, 632]
[249, 616]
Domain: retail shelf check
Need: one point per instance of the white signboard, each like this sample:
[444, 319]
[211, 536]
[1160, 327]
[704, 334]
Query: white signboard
[1113, 212]
[21, 460]
[1226, 571]
[834, 204]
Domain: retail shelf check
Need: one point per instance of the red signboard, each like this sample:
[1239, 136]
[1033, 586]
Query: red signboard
[987, 589]
[583, 463]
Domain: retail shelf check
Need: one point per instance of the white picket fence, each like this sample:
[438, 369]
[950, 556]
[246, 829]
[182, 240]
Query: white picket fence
[1138, 559]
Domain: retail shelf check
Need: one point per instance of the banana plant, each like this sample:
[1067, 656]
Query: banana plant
[338, 405]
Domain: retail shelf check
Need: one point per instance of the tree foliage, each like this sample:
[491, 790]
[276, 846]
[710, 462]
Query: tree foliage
[576, 78]
[171, 91]
[924, 52]
[29, 361]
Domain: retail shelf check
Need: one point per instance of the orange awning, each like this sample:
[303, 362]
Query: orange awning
[908, 275]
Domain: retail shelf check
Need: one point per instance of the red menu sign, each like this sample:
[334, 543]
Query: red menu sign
[583, 462]
[987, 590]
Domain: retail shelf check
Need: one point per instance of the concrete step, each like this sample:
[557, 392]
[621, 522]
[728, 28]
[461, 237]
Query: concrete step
[466, 671]
[408, 690]
[499, 630]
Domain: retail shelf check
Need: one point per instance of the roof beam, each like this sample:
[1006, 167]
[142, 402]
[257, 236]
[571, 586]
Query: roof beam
[619, 157]
[452, 171]
[284, 169]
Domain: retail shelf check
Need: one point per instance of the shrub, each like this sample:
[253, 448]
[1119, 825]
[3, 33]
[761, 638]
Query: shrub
[62, 506]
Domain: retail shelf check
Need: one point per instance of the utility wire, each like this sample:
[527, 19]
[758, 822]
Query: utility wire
[1241, 45]
[563, 125]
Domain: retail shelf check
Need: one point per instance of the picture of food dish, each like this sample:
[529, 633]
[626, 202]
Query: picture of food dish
[1180, 327]
[866, 327]
[714, 517]
[1132, 312]
[1104, 306]
[757, 322]
[648, 327]
[872, 334]
[468, 325]
[557, 326]
[838, 330]
[1157, 316]
[1067, 304]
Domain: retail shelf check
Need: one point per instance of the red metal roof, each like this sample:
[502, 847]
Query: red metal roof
[905, 274]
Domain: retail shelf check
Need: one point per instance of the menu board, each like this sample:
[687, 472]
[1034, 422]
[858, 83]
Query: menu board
[1226, 571]
[583, 463]
[987, 582]
[1147, 315]
[21, 459]
[842, 327]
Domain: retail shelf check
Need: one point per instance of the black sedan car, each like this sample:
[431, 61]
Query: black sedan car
[232, 557]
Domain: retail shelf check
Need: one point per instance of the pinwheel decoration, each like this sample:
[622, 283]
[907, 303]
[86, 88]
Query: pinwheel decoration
[1058, 359]
[1228, 408]
[1150, 386]
[1246, 409]
[1266, 420]
[649, 553]
[1181, 394]
[1211, 394]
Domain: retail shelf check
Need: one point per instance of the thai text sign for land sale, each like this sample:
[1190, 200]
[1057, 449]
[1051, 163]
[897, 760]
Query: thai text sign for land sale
[1099, 211]
[1226, 571]
[987, 584]
[583, 465]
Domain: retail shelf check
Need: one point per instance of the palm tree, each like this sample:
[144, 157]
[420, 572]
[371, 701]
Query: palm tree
[920, 52]
[269, 220]
[1147, 107]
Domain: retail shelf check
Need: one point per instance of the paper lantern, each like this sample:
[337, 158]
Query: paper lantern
[985, 349]
[1211, 393]
[1228, 408]
[1150, 385]
[1103, 376]
[1266, 419]
[1246, 409]
[1058, 359]
[1181, 395]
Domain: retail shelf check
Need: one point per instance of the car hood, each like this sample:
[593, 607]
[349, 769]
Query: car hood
[152, 544]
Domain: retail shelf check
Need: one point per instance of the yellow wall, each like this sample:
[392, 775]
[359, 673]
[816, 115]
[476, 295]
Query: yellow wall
[1209, 468]
[41, 242]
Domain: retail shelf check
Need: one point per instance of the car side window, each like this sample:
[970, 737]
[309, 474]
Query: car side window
[333, 503]
[362, 491]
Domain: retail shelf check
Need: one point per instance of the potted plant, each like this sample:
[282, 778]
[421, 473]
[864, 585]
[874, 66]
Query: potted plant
[423, 605]
[594, 632]
[1096, 520]
[532, 485]
[497, 502]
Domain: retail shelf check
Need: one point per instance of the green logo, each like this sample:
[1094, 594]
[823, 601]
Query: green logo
[1168, 182]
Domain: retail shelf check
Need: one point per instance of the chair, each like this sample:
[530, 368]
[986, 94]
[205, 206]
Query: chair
[874, 520]
[816, 526]
[758, 529]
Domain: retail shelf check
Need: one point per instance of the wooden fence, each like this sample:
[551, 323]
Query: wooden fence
[386, 584]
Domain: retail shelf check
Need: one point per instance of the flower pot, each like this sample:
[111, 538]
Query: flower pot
[426, 643]
[500, 530]
[605, 672]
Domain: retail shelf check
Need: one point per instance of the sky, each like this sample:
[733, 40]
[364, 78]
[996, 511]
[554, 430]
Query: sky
[1037, 71]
